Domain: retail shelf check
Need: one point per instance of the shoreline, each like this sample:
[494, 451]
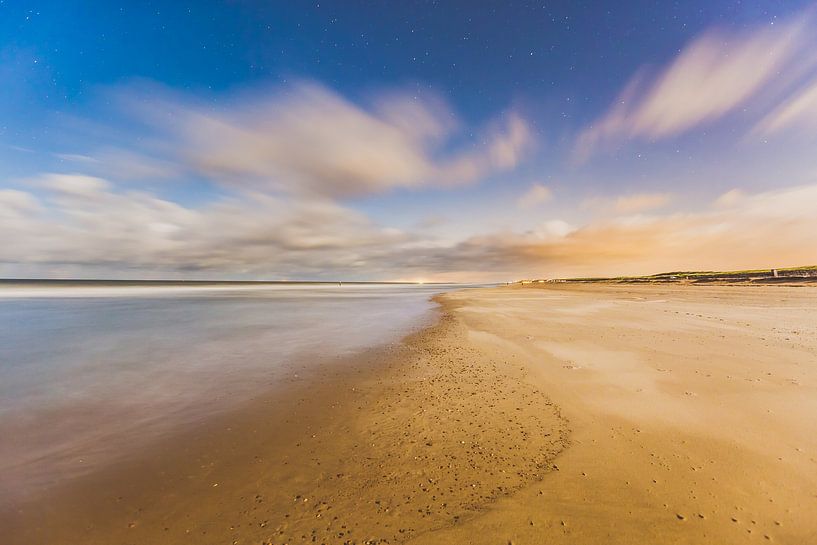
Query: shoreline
[365, 448]
[97, 377]
[561, 414]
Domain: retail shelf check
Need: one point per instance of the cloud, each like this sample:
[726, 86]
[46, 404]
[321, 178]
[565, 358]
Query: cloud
[75, 158]
[641, 202]
[306, 139]
[123, 164]
[87, 224]
[285, 161]
[77, 187]
[799, 111]
[730, 198]
[553, 228]
[17, 203]
[630, 204]
[508, 142]
[768, 229]
[714, 75]
[534, 196]
[284, 158]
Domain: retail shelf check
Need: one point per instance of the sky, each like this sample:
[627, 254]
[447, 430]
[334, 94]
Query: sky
[424, 141]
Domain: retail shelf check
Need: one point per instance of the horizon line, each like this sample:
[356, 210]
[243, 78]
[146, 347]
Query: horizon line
[184, 281]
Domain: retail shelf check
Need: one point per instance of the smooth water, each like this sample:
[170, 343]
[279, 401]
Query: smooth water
[90, 372]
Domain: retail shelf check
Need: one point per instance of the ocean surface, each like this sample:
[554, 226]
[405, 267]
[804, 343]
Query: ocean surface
[91, 371]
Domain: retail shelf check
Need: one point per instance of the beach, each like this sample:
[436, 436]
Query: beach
[561, 413]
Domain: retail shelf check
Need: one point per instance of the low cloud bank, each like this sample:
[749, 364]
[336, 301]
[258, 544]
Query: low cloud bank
[86, 222]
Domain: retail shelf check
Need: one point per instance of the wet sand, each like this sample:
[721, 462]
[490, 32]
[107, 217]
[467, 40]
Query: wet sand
[555, 414]
[402, 441]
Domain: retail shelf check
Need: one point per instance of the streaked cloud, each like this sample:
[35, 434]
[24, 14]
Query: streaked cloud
[124, 164]
[507, 142]
[641, 202]
[535, 195]
[630, 204]
[730, 198]
[797, 112]
[289, 163]
[76, 158]
[307, 139]
[715, 75]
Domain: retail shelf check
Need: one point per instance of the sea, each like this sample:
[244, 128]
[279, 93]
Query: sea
[92, 370]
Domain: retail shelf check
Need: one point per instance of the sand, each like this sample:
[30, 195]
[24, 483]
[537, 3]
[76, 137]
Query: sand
[555, 414]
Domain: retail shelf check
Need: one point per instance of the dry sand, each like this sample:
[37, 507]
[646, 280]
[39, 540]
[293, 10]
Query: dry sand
[559, 414]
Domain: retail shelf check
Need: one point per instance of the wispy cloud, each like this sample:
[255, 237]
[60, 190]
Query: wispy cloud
[535, 195]
[307, 139]
[641, 202]
[123, 164]
[630, 204]
[799, 111]
[714, 75]
[730, 198]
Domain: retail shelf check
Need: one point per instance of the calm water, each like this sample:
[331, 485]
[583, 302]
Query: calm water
[87, 373]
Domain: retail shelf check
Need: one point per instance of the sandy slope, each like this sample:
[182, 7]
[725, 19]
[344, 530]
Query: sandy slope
[692, 410]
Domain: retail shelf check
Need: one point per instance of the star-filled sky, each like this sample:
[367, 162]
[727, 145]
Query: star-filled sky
[434, 141]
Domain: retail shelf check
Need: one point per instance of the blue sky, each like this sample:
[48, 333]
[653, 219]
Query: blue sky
[405, 140]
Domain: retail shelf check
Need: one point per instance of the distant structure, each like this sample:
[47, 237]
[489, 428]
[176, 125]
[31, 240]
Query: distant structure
[775, 273]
